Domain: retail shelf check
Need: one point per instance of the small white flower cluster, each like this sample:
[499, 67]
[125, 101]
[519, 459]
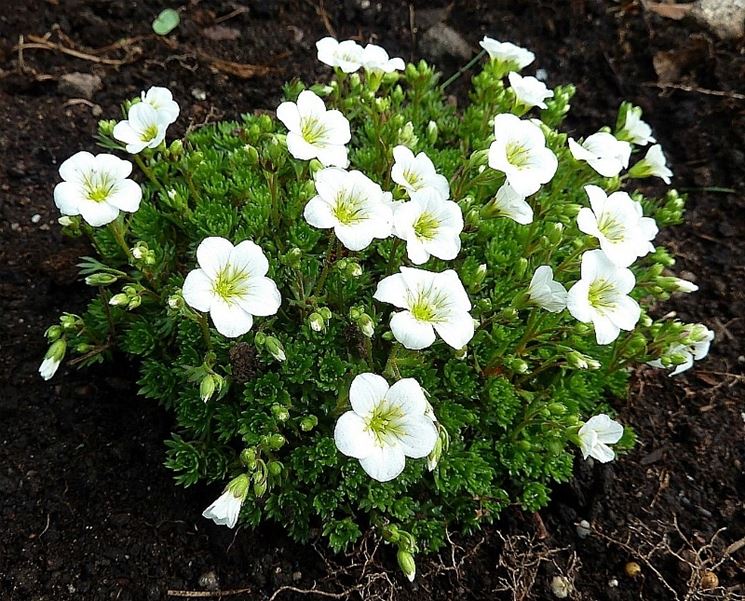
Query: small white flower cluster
[693, 345]
[350, 57]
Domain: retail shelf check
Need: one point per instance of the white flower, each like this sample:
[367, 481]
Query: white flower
[430, 225]
[653, 164]
[596, 434]
[519, 150]
[96, 187]
[508, 203]
[346, 55]
[618, 223]
[507, 52]
[634, 129]
[695, 345]
[417, 172]
[601, 297]
[529, 91]
[315, 132]
[49, 367]
[162, 101]
[226, 509]
[431, 302]
[604, 153]
[352, 204]
[231, 284]
[144, 127]
[684, 286]
[546, 292]
[386, 425]
[375, 58]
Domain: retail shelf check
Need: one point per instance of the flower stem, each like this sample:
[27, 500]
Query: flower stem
[391, 369]
[148, 173]
[462, 70]
[326, 265]
[393, 264]
[117, 230]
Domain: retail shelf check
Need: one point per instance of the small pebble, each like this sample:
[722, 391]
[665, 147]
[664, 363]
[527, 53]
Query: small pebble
[561, 587]
[541, 74]
[613, 583]
[583, 529]
[199, 94]
[632, 569]
[208, 581]
[36, 218]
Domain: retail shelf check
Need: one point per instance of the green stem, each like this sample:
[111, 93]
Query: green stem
[117, 229]
[462, 70]
[391, 369]
[530, 331]
[148, 173]
[393, 264]
[205, 327]
[326, 265]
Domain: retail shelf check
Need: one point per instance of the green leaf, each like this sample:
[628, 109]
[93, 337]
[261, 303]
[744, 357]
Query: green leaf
[166, 21]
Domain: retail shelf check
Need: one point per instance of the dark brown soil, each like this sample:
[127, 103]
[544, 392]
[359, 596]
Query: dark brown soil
[87, 510]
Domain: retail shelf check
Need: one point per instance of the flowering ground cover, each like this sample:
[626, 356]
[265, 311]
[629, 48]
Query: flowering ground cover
[678, 422]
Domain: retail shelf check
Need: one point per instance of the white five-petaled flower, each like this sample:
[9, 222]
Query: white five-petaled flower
[226, 509]
[376, 59]
[386, 425]
[529, 91]
[618, 222]
[144, 127]
[601, 297]
[352, 204]
[634, 129]
[546, 292]
[507, 52]
[161, 99]
[653, 164]
[596, 434]
[430, 302]
[346, 55]
[417, 172]
[52, 359]
[314, 132]
[508, 203]
[519, 150]
[231, 284]
[603, 152]
[695, 346]
[96, 187]
[430, 224]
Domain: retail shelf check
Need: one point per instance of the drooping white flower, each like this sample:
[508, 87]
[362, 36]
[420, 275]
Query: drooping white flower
[519, 150]
[601, 297]
[352, 204]
[430, 224]
[376, 59]
[596, 434]
[684, 286]
[96, 188]
[694, 346]
[546, 292]
[653, 164]
[386, 425]
[52, 359]
[507, 52]
[417, 172]
[529, 91]
[508, 203]
[161, 99]
[226, 509]
[430, 302]
[603, 152]
[634, 129]
[144, 127]
[346, 55]
[618, 223]
[231, 285]
[314, 132]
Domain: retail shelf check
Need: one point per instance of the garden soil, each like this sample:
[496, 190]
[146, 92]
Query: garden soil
[87, 510]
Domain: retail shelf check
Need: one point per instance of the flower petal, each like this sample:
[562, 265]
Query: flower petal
[413, 334]
[366, 392]
[97, 213]
[409, 396]
[68, 196]
[352, 437]
[392, 290]
[249, 258]
[457, 331]
[419, 437]
[229, 318]
[126, 196]
[262, 297]
[213, 254]
[318, 213]
[198, 290]
[384, 463]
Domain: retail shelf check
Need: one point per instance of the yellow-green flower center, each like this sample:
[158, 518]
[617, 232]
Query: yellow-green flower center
[385, 422]
[413, 179]
[312, 130]
[517, 154]
[426, 226]
[602, 295]
[98, 186]
[149, 133]
[611, 228]
[230, 283]
[348, 209]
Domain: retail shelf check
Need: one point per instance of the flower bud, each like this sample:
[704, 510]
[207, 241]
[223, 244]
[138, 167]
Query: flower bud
[316, 322]
[276, 441]
[557, 408]
[248, 458]
[308, 423]
[315, 166]
[134, 302]
[175, 302]
[434, 457]
[57, 350]
[251, 154]
[354, 270]
[275, 468]
[521, 267]
[473, 218]
[100, 279]
[83, 347]
[325, 313]
[479, 157]
[293, 257]
[275, 348]
[106, 127]
[53, 332]
[461, 353]
[260, 487]
[432, 132]
[366, 325]
[280, 412]
[519, 366]
[407, 564]
[65, 221]
[69, 322]
[119, 300]
[406, 135]
[238, 487]
[207, 387]
[260, 339]
[176, 149]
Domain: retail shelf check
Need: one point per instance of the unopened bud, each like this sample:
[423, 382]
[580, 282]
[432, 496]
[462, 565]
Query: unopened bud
[248, 458]
[325, 313]
[432, 132]
[100, 279]
[119, 300]
[366, 325]
[276, 441]
[275, 468]
[53, 332]
[354, 270]
[175, 302]
[275, 348]
[280, 412]
[316, 322]
[308, 423]
[65, 221]
[407, 564]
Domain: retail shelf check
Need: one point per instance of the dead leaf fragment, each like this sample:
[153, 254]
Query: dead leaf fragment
[221, 33]
[669, 11]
